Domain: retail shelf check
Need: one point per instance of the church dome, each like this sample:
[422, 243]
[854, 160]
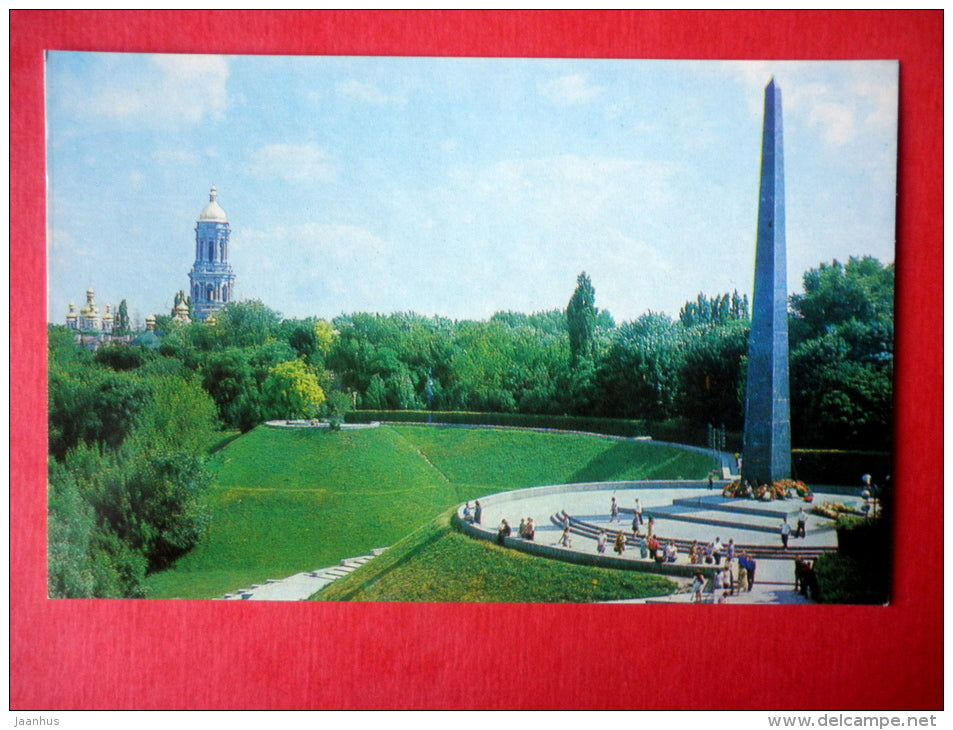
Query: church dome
[213, 211]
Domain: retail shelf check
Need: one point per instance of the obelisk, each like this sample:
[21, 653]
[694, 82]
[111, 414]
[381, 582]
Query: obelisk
[767, 435]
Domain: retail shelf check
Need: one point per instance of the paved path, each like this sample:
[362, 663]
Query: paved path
[301, 586]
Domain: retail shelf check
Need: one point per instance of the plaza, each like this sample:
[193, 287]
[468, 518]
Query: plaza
[683, 512]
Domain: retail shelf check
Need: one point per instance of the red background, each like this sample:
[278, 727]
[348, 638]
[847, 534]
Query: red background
[130, 654]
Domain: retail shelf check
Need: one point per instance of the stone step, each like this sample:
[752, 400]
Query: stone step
[740, 506]
[754, 522]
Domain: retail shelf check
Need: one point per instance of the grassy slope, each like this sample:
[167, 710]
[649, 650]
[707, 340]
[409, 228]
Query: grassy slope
[436, 564]
[286, 501]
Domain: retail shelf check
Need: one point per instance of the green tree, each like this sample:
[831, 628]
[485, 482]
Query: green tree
[244, 324]
[292, 390]
[842, 356]
[121, 321]
[581, 320]
[712, 375]
[638, 376]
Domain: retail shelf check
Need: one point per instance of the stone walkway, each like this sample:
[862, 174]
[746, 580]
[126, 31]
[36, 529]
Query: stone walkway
[301, 586]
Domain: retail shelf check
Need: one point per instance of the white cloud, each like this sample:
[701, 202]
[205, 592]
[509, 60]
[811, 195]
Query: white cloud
[294, 163]
[159, 90]
[569, 90]
[834, 121]
[368, 93]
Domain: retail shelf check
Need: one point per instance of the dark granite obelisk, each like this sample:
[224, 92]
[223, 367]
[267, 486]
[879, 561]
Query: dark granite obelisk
[767, 435]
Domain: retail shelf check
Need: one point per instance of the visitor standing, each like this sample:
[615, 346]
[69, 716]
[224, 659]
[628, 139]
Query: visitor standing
[614, 511]
[801, 523]
[785, 532]
[638, 510]
[697, 584]
[601, 542]
[742, 574]
[653, 547]
[717, 549]
[477, 512]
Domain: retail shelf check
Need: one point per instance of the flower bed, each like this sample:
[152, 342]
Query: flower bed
[833, 510]
[781, 489]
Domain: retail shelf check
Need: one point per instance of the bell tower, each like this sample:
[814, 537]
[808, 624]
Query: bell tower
[211, 281]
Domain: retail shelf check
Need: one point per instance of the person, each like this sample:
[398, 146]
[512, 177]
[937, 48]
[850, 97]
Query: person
[640, 544]
[812, 589]
[653, 547]
[711, 481]
[698, 583]
[601, 542]
[522, 528]
[693, 552]
[723, 598]
[671, 553]
[719, 582]
[709, 549]
[730, 550]
[752, 564]
[798, 575]
[801, 523]
[635, 524]
[503, 532]
[566, 539]
[466, 512]
[477, 512]
[785, 531]
[651, 528]
[619, 545]
[638, 510]
[730, 575]
[742, 574]
[530, 533]
[614, 511]
[716, 550]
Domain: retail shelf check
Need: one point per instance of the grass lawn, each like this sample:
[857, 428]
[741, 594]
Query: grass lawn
[289, 500]
[436, 563]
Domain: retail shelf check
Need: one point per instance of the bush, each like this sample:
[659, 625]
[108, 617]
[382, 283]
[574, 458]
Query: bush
[837, 467]
[845, 580]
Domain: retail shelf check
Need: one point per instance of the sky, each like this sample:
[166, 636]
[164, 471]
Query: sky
[454, 187]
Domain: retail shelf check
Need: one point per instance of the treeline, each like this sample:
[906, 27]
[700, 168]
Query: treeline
[129, 424]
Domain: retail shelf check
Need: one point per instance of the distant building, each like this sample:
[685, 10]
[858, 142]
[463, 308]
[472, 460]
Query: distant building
[211, 278]
[92, 330]
[88, 319]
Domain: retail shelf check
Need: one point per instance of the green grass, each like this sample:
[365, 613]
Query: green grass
[437, 564]
[289, 500]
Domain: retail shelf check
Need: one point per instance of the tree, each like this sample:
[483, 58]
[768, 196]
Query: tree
[245, 324]
[121, 321]
[292, 391]
[842, 356]
[712, 375]
[581, 320]
[638, 375]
